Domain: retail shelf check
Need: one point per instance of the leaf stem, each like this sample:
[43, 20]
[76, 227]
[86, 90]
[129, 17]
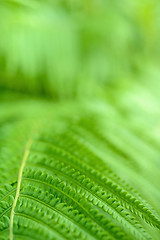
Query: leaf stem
[24, 159]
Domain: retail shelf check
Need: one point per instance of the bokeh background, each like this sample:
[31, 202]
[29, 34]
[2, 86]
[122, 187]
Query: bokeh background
[79, 48]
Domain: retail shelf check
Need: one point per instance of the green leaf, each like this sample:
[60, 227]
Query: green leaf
[54, 184]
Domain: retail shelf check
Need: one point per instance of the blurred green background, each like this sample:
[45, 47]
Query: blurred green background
[84, 50]
[79, 48]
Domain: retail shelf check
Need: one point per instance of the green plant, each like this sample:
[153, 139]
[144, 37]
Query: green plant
[66, 188]
[79, 138]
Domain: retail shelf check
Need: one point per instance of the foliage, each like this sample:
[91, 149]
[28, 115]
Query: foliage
[68, 48]
[79, 120]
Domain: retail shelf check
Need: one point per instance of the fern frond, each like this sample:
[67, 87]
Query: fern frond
[67, 190]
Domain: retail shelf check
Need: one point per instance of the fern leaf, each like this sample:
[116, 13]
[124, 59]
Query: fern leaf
[58, 187]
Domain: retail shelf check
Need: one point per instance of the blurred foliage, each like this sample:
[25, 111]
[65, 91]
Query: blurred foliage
[75, 48]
